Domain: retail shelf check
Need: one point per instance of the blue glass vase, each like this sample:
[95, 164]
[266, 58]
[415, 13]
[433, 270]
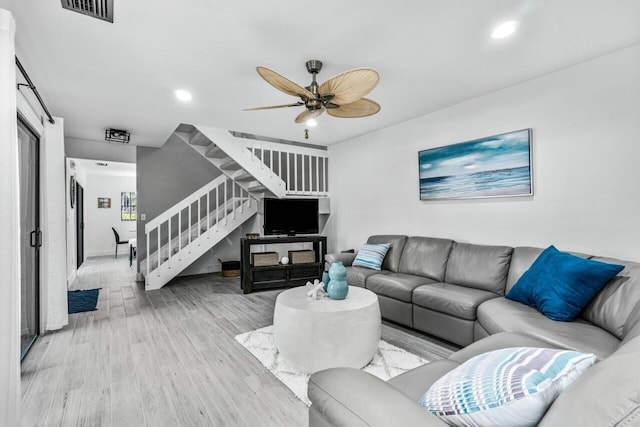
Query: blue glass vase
[337, 288]
[325, 280]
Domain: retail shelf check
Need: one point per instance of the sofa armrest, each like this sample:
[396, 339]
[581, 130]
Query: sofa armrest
[345, 257]
[350, 397]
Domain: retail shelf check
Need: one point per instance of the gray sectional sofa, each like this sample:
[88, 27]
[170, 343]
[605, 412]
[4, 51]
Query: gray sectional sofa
[455, 291]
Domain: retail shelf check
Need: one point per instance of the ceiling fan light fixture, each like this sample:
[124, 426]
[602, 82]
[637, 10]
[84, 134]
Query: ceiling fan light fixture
[504, 30]
[340, 96]
[312, 123]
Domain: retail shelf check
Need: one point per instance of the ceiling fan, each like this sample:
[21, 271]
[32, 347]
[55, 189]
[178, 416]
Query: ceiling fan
[340, 96]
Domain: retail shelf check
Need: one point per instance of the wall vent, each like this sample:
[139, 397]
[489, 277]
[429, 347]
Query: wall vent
[100, 9]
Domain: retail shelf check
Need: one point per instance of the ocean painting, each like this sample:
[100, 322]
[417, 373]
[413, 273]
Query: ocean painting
[495, 166]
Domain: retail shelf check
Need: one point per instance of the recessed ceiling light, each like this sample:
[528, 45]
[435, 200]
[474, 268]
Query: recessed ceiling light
[312, 123]
[504, 30]
[183, 95]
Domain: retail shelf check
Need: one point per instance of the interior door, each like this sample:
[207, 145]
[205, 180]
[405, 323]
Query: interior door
[31, 235]
[79, 224]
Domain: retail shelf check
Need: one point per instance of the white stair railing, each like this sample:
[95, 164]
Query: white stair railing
[183, 233]
[303, 169]
[261, 166]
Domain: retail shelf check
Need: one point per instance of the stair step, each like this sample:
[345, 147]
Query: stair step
[200, 139]
[258, 188]
[243, 176]
[214, 152]
[230, 165]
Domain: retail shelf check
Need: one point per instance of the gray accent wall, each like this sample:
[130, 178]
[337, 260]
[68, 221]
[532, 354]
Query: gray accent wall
[164, 176]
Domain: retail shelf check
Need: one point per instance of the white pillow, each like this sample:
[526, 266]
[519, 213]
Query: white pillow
[510, 387]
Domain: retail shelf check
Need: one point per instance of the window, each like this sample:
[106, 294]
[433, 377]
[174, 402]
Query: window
[128, 206]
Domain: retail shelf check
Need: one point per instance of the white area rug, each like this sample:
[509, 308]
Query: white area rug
[388, 361]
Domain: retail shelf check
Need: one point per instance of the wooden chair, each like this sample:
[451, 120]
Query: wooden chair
[118, 241]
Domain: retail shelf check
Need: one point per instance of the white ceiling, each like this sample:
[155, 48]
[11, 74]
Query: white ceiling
[430, 54]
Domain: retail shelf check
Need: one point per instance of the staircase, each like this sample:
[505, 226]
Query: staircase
[186, 231]
[251, 170]
[261, 167]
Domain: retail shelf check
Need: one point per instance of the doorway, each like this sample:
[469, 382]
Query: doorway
[79, 225]
[31, 235]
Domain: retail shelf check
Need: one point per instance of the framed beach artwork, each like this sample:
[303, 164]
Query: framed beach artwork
[495, 166]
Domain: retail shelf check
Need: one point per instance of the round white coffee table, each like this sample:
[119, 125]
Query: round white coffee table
[325, 333]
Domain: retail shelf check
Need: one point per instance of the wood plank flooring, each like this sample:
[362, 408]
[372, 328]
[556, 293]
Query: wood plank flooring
[165, 357]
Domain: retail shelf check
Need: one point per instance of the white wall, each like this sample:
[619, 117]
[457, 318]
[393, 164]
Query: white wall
[81, 178]
[586, 155]
[98, 237]
[86, 149]
[10, 242]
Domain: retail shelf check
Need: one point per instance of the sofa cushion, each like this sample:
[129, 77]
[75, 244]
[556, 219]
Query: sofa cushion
[425, 256]
[413, 383]
[608, 394]
[612, 307]
[560, 285]
[508, 387]
[454, 300]
[351, 397]
[396, 246]
[399, 286]
[479, 266]
[357, 276]
[371, 255]
[496, 342]
[504, 315]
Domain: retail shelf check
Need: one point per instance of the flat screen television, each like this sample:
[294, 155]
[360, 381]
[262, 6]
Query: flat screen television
[290, 216]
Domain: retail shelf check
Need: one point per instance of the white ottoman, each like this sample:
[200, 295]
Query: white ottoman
[321, 334]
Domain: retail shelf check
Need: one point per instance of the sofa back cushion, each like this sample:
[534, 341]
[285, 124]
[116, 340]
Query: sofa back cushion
[396, 245]
[612, 307]
[479, 266]
[521, 259]
[426, 256]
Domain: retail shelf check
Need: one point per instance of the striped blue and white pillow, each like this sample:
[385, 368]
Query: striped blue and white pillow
[509, 387]
[371, 255]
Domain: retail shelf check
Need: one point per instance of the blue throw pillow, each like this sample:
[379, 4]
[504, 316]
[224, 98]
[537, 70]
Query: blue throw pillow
[371, 256]
[560, 285]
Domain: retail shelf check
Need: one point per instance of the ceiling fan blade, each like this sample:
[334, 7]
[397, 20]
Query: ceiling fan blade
[306, 115]
[283, 84]
[351, 85]
[361, 108]
[271, 107]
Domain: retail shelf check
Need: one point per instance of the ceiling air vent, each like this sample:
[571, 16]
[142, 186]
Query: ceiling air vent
[100, 9]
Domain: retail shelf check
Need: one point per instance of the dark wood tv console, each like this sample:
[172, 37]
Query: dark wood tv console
[280, 276]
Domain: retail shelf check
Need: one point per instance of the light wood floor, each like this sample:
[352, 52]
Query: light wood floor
[165, 357]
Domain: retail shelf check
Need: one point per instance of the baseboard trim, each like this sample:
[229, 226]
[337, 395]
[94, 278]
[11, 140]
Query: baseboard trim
[105, 253]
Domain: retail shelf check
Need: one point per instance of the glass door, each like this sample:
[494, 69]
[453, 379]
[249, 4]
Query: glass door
[31, 236]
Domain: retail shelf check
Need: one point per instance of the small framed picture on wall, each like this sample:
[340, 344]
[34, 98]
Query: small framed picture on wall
[104, 202]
